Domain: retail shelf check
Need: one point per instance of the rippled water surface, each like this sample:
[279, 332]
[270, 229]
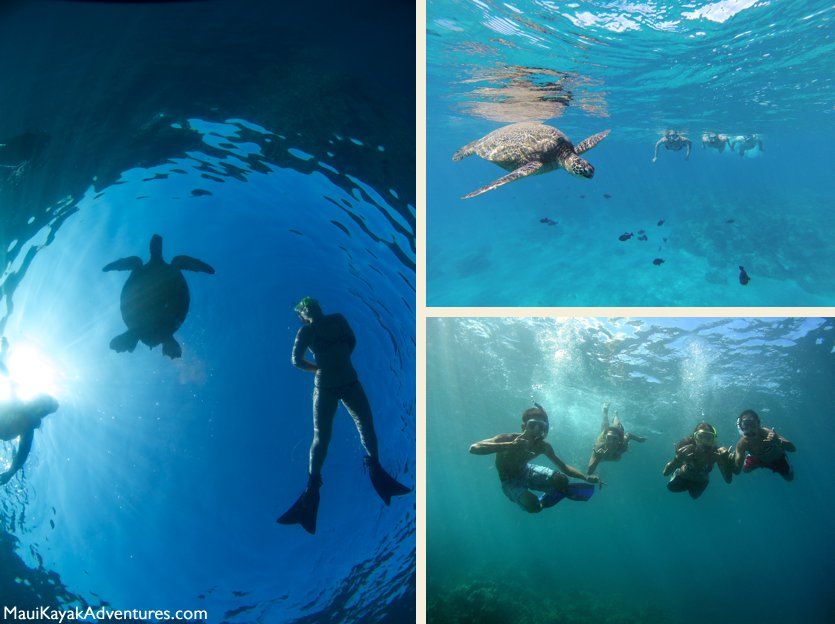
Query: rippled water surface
[269, 147]
[756, 549]
[734, 67]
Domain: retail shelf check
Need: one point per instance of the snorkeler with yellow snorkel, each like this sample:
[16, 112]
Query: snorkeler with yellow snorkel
[694, 459]
[513, 453]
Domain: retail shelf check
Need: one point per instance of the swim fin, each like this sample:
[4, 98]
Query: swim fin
[576, 492]
[385, 485]
[306, 508]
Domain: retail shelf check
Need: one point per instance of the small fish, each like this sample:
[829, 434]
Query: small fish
[730, 220]
[658, 261]
[582, 196]
[544, 220]
[548, 221]
[660, 222]
[626, 236]
[664, 239]
[198, 192]
[743, 276]
[642, 237]
[607, 196]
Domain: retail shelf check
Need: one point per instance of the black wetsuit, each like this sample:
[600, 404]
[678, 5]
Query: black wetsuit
[332, 341]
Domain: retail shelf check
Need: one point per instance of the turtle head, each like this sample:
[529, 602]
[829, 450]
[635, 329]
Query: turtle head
[156, 247]
[577, 166]
[40, 407]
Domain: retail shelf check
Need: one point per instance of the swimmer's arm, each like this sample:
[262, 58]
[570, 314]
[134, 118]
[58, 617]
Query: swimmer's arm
[492, 445]
[739, 455]
[20, 456]
[605, 424]
[689, 145]
[785, 444]
[299, 349]
[594, 460]
[571, 471]
[657, 145]
[671, 465]
[637, 438]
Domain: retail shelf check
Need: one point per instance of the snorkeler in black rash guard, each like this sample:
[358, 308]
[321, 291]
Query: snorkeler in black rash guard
[19, 419]
[331, 340]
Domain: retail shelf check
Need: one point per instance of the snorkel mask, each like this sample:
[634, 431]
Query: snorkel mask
[705, 437]
[537, 428]
[307, 308]
[748, 423]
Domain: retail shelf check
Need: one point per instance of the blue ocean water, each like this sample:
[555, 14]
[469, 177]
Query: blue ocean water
[758, 549]
[735, 67]
[157, 483]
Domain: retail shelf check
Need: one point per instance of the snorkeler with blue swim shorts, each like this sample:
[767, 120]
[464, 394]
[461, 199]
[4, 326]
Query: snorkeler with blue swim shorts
[518, 476]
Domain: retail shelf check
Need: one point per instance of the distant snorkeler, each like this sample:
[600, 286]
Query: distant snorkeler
[675, 141]
[695, 456]
[612, 442]
[518, 477]
[716, 141]
[747, 142]
[331, 340]
[760, 447]
[19, 419]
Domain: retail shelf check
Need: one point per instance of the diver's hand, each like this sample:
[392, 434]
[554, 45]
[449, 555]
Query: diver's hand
[772, 437]
[606, 407]
[594, 480]
[654, 158]
[668, 469]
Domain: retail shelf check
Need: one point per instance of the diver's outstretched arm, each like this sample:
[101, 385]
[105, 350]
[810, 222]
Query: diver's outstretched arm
[20, 456]
[605, 424]
[657, 145]
[637, 438]
[571, 471]
[594, 460]
[501, 442]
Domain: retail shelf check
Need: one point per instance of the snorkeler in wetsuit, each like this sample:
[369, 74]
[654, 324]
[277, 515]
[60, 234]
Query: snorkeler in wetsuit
[612, 442]
[715, 141]
[674, 141]
[694, 459]
[331, 340]
[518, 477]
[760, 447]
[19, 419]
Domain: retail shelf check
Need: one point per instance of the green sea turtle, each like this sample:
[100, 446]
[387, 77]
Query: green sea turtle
[155, 299]
[530, 148]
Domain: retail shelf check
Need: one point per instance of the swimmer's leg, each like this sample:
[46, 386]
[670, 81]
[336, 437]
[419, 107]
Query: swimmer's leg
[529, 502]
[325, 402]
[356, 402]
[697, 488]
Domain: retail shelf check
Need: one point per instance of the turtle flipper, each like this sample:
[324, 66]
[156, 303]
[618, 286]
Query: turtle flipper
[525, 170]
[172, 348]
[125, 264]
[125, 342]
[187, 263]
[467, 150]
[587, 144]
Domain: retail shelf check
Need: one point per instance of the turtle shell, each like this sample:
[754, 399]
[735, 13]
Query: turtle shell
[155, 301]
[512, 146]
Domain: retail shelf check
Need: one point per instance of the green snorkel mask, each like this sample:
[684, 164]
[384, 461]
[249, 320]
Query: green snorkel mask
[706, 437]
[308, 307]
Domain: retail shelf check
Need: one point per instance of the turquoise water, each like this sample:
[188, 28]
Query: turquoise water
[157, 483]
[734, 67]
[757, 550]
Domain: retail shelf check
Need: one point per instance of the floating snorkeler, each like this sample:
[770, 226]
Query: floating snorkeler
[695, 456]
[19, 419]
[675, 141]
[155, 299]
[518, 477]
[745, 143]
[331, 340]
[612, 442]
[530, 148]
[760, 447]
[716, 141]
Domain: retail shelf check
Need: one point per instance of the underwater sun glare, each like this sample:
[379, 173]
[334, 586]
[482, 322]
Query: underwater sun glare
[30, 373]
